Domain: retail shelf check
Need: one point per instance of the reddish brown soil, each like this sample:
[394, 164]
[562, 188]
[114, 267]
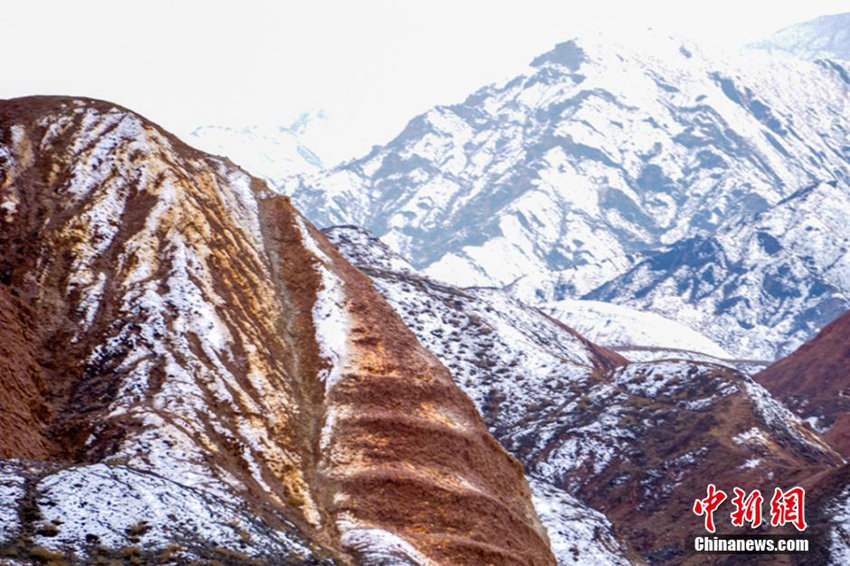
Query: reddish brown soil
[24, 414]
[411, 455]
[815, 380]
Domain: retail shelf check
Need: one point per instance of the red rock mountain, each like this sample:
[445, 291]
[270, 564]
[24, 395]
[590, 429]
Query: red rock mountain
[637, 442]
[815, 381]
[188, 369]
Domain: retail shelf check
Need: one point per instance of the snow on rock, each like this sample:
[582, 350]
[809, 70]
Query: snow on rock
[599, 156]
[839, 515]
[782, 421]
[360, 247]
[377, 547]
[330, 316]
[12, 489]
[578, 534]
[117, 506]
[637, 335]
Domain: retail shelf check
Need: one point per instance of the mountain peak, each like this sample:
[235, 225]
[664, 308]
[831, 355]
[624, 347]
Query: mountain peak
[179, 337]
[601, 155]
[825, 37]
[567, 54]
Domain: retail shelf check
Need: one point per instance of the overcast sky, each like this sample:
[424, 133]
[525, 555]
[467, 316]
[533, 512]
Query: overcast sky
[371, 64]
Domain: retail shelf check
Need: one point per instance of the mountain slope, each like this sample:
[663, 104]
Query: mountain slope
[815, 381]
[762, 286]
[826, 37]
[637, 335]
[633, 441]
[203, 374]
[568, 175]
[512, 361]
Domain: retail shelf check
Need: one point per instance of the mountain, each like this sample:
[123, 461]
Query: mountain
[763, 285]
[512, 360]
[270, 153]
[603, 154]
[190, 371]
[826, 37]
[815, 382]
[634, 442]
[637, 335]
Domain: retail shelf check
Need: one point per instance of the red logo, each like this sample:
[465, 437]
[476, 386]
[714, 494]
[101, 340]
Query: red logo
[709, 505]
[786, 507]
[747, 509]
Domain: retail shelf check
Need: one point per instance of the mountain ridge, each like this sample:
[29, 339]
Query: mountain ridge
[630, 440]
[569, 175]
[203, 347]
[825, 37]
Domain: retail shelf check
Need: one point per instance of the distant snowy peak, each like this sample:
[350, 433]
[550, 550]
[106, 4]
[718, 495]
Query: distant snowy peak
[602, 152]
[760, 288]
[637, 335]
[826, 37]
[270, 152]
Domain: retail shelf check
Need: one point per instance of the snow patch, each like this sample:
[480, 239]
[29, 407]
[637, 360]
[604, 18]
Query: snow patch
[578, 535]
[12, 489]
[839, 535]
[330, 315]
[377, 547]
[108, 501]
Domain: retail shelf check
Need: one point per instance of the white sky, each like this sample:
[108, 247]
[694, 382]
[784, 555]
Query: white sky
[371, 64]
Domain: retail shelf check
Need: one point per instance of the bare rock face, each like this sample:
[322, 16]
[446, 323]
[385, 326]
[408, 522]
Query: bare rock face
[190, 369]
[815, 382]
[23, 410]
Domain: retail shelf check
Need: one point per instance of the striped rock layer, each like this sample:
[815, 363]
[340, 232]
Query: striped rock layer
[186, 361]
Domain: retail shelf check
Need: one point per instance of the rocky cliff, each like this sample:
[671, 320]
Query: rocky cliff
[190, 370]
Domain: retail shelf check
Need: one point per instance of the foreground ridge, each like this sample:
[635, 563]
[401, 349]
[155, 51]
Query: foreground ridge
[198, 373]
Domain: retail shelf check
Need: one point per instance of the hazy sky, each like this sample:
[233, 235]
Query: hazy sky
[371, 64]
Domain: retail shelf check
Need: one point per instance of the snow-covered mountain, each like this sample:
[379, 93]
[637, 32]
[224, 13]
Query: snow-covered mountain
[637, 335]
[826, 37]
[762, 285]
[632, 441]
[191, 373]
[572, 173]
[270, 152]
